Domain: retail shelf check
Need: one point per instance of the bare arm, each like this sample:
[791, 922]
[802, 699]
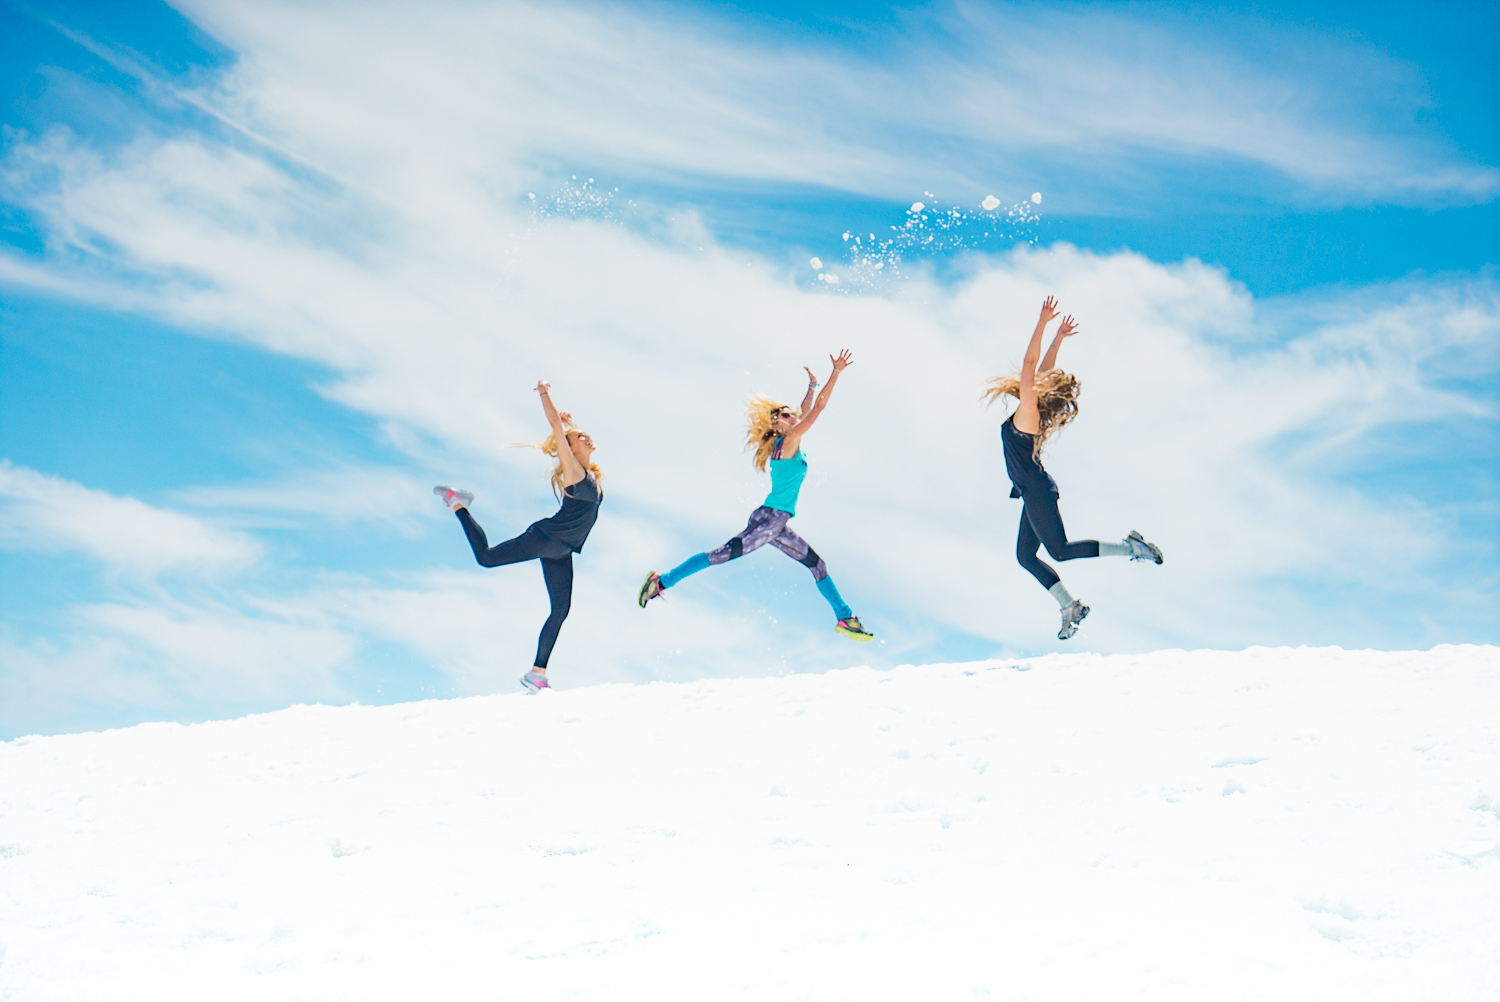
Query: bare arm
[1027, 418]
[794, 437]
[573, 471]
[1049, 361]
[812, 384]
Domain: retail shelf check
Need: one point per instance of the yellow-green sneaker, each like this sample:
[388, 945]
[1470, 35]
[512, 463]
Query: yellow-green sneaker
[852, 629]
[650, 589]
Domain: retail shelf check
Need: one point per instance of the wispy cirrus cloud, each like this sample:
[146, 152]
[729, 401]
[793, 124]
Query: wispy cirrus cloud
[970, 97]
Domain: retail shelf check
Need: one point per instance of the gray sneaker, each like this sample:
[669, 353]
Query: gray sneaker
[535, 681]
[1142, 550]
[452, 498]
[1071, 617]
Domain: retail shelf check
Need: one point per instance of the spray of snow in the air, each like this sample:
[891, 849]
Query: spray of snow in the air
[1273, 824]
[576, 199]
[929, 230]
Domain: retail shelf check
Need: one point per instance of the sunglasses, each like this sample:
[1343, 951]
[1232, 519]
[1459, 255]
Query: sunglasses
[780, 413]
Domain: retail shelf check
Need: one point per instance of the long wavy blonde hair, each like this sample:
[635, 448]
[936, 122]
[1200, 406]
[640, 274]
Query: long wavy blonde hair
[549, 446]
[1056, 400]
[761, 433]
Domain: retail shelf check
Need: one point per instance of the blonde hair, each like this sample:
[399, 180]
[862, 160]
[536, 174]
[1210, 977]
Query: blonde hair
[761, 433]
[549, 446]
[1056, 400]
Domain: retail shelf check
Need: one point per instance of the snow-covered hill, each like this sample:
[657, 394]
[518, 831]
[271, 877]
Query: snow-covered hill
[1271, 824]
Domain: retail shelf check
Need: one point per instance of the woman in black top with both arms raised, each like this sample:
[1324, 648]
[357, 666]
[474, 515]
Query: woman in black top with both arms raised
[553, 540]
[1048, 399]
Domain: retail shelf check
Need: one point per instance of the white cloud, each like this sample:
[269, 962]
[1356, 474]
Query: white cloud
[964, 98]
[157, 657]
[208, 648]
[337, 493]
[38, 511]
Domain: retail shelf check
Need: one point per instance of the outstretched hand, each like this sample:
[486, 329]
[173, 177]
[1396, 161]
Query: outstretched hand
[1049, 309]
[842, 362]
[1068, 328]
[565, 418]
[542, 386]
[810, 377]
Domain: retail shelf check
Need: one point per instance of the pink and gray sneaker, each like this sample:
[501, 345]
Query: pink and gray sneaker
[1071, 617]
[452, 498]
[535, 681]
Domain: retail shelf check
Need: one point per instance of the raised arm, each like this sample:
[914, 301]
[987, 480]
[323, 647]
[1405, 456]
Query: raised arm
[810, 415]
[812, 385]
[1026, 417]
[1065, 330]
[573, 471]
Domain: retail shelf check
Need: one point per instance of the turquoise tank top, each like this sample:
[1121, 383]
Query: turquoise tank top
[786, 480]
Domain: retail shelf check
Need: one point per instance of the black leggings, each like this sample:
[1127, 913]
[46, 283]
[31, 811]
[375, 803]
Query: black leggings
[1042, 525]
[557, 571]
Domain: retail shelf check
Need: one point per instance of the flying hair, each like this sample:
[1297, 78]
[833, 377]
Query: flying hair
[1056, 400]
[760, 435]
[549, 446]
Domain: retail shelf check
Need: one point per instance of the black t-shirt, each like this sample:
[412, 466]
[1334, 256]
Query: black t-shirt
[1026, 474]
[580, 509]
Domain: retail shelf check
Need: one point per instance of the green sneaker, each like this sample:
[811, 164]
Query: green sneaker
[853, 629]
[650, 589]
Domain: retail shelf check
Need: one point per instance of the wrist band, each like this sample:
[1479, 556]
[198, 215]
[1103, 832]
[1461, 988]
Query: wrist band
[813, 386]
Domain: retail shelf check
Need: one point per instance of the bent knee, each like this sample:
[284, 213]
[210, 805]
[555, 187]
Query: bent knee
[732, 550]
[814, 563]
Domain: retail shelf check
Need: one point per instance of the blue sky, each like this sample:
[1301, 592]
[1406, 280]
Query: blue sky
[267, 272]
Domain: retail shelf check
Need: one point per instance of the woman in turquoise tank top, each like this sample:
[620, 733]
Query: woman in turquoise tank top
[776, 433]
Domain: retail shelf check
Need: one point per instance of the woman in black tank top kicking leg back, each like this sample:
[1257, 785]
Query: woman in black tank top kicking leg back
[553, 541]
[1048, 400]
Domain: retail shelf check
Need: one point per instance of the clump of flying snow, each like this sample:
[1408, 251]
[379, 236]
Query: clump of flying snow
[817, 263]
[576, 199]
[1272, 824]
[929, 230]
[1036, 198]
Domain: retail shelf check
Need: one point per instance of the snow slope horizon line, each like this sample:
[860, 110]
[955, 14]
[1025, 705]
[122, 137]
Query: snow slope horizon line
[1052, 659]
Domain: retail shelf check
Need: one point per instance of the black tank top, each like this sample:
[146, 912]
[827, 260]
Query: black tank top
[580, 509]
[1026, 474]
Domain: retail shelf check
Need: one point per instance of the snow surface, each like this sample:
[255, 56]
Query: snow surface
[1270, 824]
